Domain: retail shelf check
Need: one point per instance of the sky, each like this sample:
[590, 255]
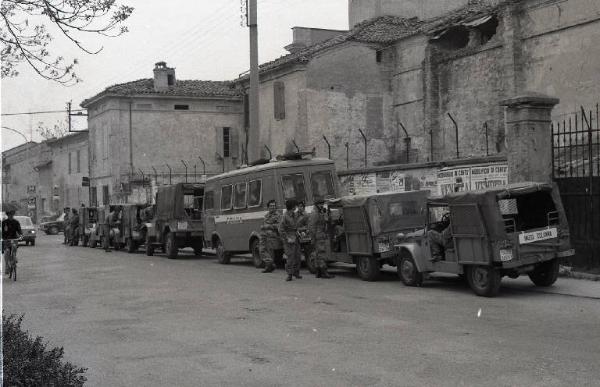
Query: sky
[202, 39]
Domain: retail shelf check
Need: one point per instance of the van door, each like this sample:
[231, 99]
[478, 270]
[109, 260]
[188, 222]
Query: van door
[469, 234]
[358, 234]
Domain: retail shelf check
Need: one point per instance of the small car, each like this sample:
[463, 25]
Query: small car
[484, 235]
[28, 229]
[53, 227]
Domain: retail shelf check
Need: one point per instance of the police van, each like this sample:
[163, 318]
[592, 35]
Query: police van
[235, 203]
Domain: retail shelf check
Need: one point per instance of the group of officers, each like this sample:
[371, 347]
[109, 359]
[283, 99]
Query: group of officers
[71, 226]
[298, 232]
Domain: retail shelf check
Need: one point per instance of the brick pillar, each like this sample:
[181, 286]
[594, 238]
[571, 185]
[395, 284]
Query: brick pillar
[529, 136]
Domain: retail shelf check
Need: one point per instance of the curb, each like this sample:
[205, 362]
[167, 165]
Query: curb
[566, 271]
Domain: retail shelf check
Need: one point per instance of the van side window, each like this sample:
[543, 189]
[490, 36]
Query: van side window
[226, 196]
[293, 187]
[322, 185]
[239, 199]
[209, 200]
[255, 193]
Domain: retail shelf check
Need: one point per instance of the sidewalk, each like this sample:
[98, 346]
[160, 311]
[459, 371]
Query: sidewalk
[563, 286]
[568, 272]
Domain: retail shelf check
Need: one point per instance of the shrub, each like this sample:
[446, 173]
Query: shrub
[29, 362]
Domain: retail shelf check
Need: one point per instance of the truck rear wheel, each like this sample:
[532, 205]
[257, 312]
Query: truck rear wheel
[545, 274]
[256, 258]
[484, 280]
[367, 268]
[93, 243]
[223, 257]
[130, 244]
[149, 247]
[171, 246]
[408, 272]
[311, 261]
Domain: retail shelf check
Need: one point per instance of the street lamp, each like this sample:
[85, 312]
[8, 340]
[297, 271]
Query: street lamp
[16, 131]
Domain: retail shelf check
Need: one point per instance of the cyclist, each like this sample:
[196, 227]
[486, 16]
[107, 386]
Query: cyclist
[11, 229]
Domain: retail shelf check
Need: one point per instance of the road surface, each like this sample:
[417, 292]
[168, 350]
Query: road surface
[150, 321]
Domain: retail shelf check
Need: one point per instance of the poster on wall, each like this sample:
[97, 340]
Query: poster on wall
[454, 180]
[365, 184]
[488, 176]
[383, 182]
[397, 181]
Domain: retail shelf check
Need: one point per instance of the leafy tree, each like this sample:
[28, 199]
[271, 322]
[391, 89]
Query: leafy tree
[24, 36]
[58, 130]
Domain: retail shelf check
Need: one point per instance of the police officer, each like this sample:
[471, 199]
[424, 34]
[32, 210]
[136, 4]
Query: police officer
[269, 237]
[317, 226]
[288, 229]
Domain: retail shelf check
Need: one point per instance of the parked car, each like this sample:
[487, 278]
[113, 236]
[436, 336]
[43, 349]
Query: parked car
[365, 228]
[501, 231]
[178, 220]
[28, 229]
[53, 227]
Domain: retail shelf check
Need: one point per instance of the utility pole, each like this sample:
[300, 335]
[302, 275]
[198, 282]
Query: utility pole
[254, 130]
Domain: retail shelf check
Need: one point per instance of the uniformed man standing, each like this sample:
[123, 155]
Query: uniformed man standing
[66, 225]
[317, 226]
[74, 227]
[288, 229]
[303, 234]
[269, 237]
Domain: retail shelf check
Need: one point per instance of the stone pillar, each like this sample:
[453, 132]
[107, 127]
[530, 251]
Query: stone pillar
[529, 137]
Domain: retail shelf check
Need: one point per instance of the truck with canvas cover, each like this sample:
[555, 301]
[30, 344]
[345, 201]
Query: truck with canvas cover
[178, 220]
[484, 235]
[134, 226]
[365, 231]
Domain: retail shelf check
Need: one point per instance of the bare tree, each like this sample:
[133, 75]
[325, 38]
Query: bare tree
[24, 36]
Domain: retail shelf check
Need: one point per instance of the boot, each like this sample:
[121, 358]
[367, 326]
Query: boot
[325, 274]
[297, 275]
[269, 268]
[289, 277]
[318, 273]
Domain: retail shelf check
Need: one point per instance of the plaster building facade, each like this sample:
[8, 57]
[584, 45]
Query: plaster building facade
[149, 125]
[18, 180]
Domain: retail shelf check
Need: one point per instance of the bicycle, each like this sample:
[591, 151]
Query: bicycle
[11, 257]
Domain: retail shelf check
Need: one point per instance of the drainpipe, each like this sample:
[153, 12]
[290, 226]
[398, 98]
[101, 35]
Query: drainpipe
[270, 154]
[328, 146]
[407, 141]
[455, 134]
[170, 171]
[487, 147]
[296, 145]
[365, 140]
[203, 165]
[347, 155]
[186, 169]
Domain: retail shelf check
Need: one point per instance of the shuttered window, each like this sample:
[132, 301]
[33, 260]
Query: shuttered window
[279, 100]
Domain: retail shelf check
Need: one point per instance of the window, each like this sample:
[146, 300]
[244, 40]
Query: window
[105, 196]
[279, 100]
[78, 161]
[239, 199]
[322, 185]
[378, 56]
[93, 197]
[255, 193]
[293, 187]
[70, 170]
[226, 142]
[170, 79]
[226, 196]
[182, 107]
[192, 203]
[209, 200]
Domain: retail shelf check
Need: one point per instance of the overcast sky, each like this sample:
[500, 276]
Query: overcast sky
[202, 39]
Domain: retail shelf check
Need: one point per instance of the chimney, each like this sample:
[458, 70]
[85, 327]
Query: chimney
[305, 37]
[164, 77]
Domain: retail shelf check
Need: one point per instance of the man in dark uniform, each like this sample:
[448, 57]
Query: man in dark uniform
[74, 227]
[269, 237]
[303, 235]
[11, 229]
[288, 229]
[317, 226]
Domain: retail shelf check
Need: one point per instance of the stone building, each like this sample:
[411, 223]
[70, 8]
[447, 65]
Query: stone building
[43, 178]
[158, 124]
[423, 80]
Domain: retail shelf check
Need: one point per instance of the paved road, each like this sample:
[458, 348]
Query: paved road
[150, 321]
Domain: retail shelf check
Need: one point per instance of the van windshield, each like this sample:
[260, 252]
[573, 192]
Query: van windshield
[526, 212]
[322, 185]
[293, 187]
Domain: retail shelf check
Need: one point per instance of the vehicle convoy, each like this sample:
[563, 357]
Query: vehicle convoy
[235, 202]
[88, 217]
[177, 220]
[109, 231]
[28, 229]
[366, 228]
[485, 235]
[134, 228]
[53, 226]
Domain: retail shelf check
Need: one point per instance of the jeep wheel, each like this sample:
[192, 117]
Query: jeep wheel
[93, 243]
[311, 262]
[408, 272]
[256, 258]
[484, 280]
[198, 251]
[130, 244]
[171, 246]
[32, 243]
[367, 268]
[545, 274]
[223, 257]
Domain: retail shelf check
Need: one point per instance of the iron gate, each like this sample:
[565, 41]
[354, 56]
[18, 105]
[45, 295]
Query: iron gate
[576, 170]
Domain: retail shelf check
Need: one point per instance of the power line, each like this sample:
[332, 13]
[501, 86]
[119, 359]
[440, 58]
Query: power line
[43, 112]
